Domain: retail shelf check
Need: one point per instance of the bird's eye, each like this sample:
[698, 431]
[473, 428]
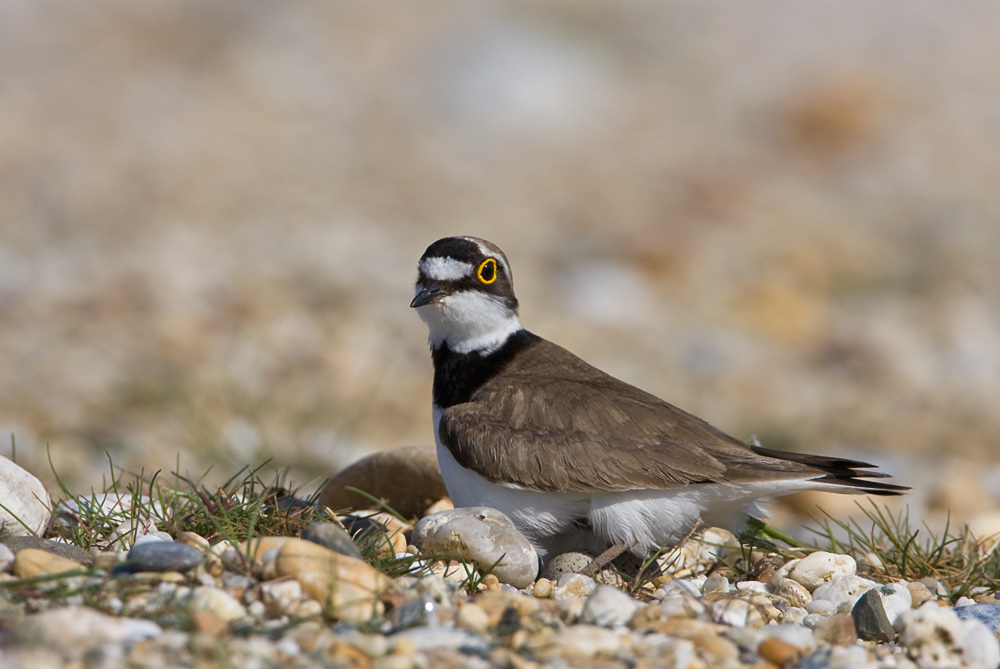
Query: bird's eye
[487, 271]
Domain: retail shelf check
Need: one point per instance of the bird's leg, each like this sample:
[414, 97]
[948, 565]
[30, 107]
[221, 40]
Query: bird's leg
[605, 558]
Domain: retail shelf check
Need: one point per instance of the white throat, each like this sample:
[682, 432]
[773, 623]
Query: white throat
[469, 321]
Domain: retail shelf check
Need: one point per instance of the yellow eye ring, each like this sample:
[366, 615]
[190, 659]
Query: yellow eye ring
[487, 271]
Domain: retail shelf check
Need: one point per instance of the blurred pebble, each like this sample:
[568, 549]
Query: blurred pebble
[69, 551]
[162, 556]
[332, 536]
[934, 636]
[24, 502]
[609, 607]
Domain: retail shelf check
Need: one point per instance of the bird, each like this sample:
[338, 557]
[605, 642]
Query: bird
[576, 458]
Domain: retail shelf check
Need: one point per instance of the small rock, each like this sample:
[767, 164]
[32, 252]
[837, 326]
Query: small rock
[162, 556]
[934, 636]
[381, 534]
[609, 607]
[987, 614]
[777, 652]
[32, 563]
[919, 593]
[870, 620]
[842, 589]
[69, 551]
[715, 583]
[543, 588]
[348, 588]
[24, 502]
[837, 657]
[586, 641]
[332, 536]
[472, 617]
[428, 638]
[281, 596]
[76, 629]
[574, 585]
[896, 598]
[216, 601]
[6, 558]
[483, 535]
[837, 630]
[736, 612]
[408, 479]
[816, 569]
[794, 593]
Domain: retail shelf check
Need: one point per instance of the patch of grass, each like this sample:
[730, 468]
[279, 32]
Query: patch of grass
[241, 508]
[964, 564]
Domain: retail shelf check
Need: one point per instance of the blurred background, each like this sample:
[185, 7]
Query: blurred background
[783, 220]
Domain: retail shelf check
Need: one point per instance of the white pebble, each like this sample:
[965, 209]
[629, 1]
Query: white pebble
[609, 607]
[823, 607]
[896, 599]
[934, 636]
[574, 585]
[818, 568]
[844, 589]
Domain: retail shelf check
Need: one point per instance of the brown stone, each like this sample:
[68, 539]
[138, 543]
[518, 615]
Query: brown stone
[31, 563]
[347, 588]
[777, 651]
[407, 479]
[837, 630]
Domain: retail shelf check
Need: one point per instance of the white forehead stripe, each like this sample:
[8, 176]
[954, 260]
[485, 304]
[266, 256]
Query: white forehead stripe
[445, 269]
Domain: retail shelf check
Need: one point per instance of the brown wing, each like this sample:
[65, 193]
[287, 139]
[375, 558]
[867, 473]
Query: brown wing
[556, 423]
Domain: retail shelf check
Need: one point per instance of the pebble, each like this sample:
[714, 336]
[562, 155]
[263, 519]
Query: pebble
[609, 607]
[794, 593]
[838, 629]
[816, 569]
[24, 502]
[32, 563]
[935, 636]
[988, 614]
[896, 598]
[919, 593]
[484, 536]
[6, 558]
[408, 479]
[347, 588]
[842, 590]
[162, 556]
[75, 553]
[332, 536]
[870, 619]
[574, 585]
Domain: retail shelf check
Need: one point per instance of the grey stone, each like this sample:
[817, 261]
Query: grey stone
[408, 479]
[482, 535]
[70, 551]
[24, 502]
[162, 556]
[987, 614]
[609, 607]
[332, 536]
[870, 619]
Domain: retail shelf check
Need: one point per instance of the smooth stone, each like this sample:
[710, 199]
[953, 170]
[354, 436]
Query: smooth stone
[816, 569]
[919, 593]
[987, 614]
[484, 536]
[843, 589]
[472, 617]
[838, 630]
[32, 563]
[6, 558]
[24, 502]
[76, 629]
[332, 536]
[715, 583]
[162, 556]
[281, 596]
[777, 652]
[870, 619]
[794, 593]
[934, 636]
[837, 657]
[429, 638]
[609, 607]
[381, 534]
[217, 602]
[586, 641]
[408, 479]
[896, 598]
[574, 585]
[347, 588]
[69, 551]
[802, 638]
